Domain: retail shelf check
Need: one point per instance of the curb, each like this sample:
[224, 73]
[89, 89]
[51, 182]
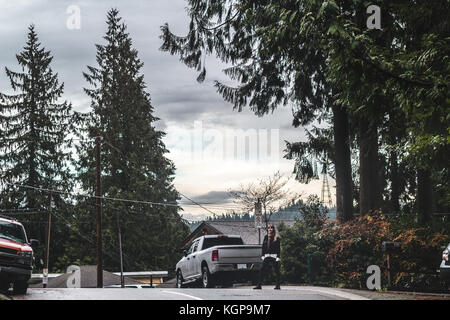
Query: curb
[426, 294]
[398, 295]
[380, 295]
[335, 292]
[3, 297]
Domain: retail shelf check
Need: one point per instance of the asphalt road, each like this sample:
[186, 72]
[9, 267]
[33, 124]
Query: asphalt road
[241, 293]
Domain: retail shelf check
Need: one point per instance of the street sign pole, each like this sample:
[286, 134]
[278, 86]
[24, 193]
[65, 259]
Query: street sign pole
[122, 282]
[47, 253]
[99, 217]
[258, 219]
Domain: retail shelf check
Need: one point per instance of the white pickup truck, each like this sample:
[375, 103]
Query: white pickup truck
[218, 259]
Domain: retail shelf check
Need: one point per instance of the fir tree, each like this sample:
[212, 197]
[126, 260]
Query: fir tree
[133, 159]
[34, 144]
[273, 64]
[320, 56]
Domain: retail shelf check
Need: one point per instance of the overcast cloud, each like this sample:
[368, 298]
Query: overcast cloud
[179, 101]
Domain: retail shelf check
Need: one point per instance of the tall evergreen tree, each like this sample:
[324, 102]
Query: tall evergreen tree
[134, 165]
[34, 143]
[274, 64]
[307, 49]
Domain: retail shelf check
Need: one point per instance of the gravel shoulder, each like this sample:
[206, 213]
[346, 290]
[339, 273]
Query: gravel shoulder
[397, 295]
[3, 297]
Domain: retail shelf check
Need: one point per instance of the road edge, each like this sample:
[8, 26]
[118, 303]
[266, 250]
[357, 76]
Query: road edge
[333, 292]
[3, 297]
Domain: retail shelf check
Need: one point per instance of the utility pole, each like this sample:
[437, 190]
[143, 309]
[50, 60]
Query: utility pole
[47, 253]
[122, 282]
[98, 193]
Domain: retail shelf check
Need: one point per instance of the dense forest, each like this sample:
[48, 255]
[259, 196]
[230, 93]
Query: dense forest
[370, 83]
[40, 173]
[383, 94]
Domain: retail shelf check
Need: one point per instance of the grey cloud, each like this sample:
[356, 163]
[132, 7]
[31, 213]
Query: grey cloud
[176, 96]
[212, 197]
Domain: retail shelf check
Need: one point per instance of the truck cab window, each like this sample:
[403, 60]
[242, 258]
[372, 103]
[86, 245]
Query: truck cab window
[195, 246]
[225, 241]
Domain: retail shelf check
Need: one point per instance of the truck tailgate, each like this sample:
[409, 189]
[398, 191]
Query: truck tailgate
[239, 254]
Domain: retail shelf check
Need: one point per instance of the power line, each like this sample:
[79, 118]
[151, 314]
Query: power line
[120, 151]
[19, 209]
[145, 213]
[23, 213]
[90, 196]
[217, 205]
[69, 225]
[119, 199]
[219, 208]
[126, 200]
[40, 211]
[108, 198]
[197, 203]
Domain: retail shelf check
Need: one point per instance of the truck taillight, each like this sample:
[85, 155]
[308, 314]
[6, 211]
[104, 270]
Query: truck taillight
[215, 255]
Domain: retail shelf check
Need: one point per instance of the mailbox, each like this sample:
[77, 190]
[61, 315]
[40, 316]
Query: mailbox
[390, 246]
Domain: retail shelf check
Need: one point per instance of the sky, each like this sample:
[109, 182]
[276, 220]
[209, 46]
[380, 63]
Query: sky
[214, 148]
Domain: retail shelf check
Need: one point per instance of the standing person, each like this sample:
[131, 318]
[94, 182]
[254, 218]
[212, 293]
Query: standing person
[270, 256]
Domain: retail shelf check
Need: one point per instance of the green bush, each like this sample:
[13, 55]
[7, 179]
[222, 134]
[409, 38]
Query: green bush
[304, 249]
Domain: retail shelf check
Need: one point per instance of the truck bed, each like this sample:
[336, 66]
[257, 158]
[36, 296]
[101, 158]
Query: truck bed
[239, 253]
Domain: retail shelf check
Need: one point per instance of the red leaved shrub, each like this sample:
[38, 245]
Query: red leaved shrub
[356, 245]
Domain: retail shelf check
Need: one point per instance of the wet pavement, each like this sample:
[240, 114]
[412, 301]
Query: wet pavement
[236, 293]
[242, 293]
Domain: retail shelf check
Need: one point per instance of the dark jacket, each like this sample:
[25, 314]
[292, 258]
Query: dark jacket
[274, 247]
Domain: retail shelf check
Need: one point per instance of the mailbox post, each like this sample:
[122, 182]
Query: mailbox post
[390, 247]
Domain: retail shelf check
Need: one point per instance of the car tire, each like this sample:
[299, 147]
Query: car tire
[20, 287]
[179, 282]
[207, 281]
[4, 286]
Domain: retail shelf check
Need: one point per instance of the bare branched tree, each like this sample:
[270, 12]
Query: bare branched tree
[271, 192]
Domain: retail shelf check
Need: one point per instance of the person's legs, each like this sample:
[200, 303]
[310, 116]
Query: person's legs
[261, 274]
[277, 273]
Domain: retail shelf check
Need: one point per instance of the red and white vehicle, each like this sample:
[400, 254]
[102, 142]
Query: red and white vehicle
[16, 256]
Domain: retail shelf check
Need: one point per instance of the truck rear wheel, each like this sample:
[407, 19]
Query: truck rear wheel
[20, 287]
[207, 281]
